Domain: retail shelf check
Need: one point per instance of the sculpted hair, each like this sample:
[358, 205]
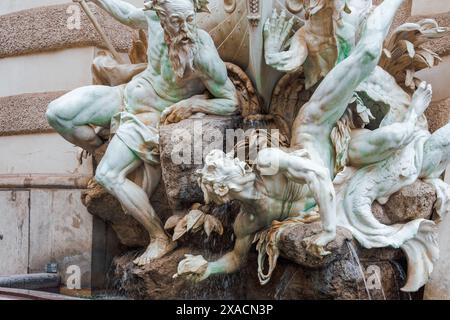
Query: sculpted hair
[216, 176]
[157, 5]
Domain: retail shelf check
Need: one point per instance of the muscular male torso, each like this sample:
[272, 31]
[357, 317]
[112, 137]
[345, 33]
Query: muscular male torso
[157, 87]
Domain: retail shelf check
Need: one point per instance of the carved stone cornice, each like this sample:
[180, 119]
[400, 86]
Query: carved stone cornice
[45, 29]
[25, 113]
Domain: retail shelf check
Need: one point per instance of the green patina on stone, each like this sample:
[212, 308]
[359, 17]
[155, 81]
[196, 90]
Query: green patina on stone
[344, 49]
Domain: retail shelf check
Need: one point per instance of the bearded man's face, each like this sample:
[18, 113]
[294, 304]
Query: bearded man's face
[180, 33]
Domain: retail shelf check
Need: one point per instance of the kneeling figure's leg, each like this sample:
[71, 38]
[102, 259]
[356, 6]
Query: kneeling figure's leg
[112, 174]
[374, 146]
[74, 114]
[436, 154]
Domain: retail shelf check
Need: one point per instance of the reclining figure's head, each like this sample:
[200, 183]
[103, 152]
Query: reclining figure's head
[224, 177]
[178, 19]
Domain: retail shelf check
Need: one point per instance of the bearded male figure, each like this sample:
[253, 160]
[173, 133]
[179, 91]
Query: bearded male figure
[183, 65]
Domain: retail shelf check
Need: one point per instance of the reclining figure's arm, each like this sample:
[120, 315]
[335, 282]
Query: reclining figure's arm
[124, 12]
[221, 98]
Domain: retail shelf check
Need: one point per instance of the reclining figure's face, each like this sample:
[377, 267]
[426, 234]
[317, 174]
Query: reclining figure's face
[178, 19]
[223, 177]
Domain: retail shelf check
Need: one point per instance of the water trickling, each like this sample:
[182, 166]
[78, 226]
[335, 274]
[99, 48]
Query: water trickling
[356, 259]
[400, 277]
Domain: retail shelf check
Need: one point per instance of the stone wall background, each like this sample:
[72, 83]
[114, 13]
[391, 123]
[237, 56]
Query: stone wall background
[42, 219]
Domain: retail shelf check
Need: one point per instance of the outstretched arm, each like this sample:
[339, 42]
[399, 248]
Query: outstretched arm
[299, 168]
[233, 260]
[198, 269]
[245, 228]
[125, 13]
[331, 98]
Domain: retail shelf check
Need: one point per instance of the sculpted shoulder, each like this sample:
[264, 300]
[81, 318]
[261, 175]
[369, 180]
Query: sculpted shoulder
[153, 21]
[208, 60]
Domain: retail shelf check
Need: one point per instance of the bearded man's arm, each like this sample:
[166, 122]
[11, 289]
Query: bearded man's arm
[222, 99]
[125, 13]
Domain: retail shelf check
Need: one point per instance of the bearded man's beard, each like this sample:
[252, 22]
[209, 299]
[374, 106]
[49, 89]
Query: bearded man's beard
[182, 52]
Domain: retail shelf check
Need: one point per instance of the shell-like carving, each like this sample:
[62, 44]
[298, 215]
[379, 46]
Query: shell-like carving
[229, 5]
[294, 6]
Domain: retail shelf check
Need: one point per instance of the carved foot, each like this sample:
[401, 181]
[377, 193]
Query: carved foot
[157, 249]
[315, 245]
[422, 98]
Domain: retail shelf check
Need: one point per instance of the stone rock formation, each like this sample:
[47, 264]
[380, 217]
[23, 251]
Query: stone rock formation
[297, 276]
[195, 137]
[412, 202]
[292, 248]
[348, 277]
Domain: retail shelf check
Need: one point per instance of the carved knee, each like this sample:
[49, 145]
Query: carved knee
[52, 114]
[105, 178]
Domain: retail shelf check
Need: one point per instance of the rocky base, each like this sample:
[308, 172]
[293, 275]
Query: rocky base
[346, 278]
[412, 202]
[187, 143]
[292, 247]
[129, 232]
[349, 272]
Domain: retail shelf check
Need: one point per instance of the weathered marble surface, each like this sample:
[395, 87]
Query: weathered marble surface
[182, 193]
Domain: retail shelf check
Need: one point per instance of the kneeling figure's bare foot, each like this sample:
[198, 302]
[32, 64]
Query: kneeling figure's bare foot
[422, 98]
[157, 249]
